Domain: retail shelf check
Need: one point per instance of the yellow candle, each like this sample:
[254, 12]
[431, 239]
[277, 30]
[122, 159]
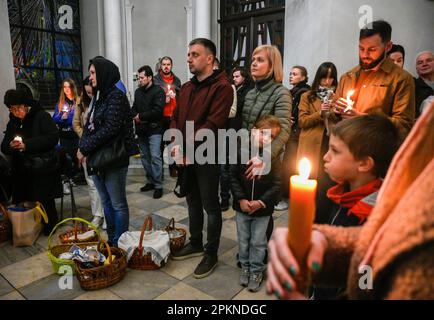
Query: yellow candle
[18, 138]
[301, 216]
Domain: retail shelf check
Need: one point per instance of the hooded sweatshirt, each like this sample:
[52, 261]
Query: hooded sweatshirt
[110, 113]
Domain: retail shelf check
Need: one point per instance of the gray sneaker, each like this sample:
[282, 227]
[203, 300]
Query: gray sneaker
[255, 282]
[244, 277]
[187, 252]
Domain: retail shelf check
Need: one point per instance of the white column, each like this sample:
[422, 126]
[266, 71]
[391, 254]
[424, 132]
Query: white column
[129, 49]
[113, 32]
[101, 38]
[202, 19]
[190, 31]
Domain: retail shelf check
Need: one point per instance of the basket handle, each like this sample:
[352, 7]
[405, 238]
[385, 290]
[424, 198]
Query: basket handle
[146, 223]
[5, 212]
[105, 243]
[72, 219]
[41, 210]
[171, 225]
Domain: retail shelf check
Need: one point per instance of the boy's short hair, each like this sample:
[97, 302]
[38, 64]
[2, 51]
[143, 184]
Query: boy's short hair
[268, 122]
[372, 135]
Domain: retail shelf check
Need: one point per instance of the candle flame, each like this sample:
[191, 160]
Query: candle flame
[304, 168]
[349, 94]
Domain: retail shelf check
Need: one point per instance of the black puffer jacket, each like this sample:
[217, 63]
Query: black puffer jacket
[149, 104]
[39, 134]
[266, 189]
[112, 114]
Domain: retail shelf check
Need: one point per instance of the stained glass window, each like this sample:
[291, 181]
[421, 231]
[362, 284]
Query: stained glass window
[46, 44]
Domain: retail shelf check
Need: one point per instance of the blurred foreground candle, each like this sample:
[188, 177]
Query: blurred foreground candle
[18, 138]
[301, 217]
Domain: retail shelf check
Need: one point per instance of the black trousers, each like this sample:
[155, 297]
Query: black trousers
[203, 195]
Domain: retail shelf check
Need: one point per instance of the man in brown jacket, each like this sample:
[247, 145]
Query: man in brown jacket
[378, 84]
[206, 101]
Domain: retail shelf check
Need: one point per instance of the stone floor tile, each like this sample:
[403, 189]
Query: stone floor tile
[182, 291]
[10, 254]
[225, 245]
[260, 295]
[172, 198]
[49, 289]
[229, 214]
[174, 211]
[27, 271]
[221, 284]
[135, 187]
[143, 285]
[230, 257]
[151, 205]
[103, 294]
[5, 287]
[229, 229]
[181, 269]
[14, 295]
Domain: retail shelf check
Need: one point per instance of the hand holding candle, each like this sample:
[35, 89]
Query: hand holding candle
[301, 217]
[350, 102]
[18, 139]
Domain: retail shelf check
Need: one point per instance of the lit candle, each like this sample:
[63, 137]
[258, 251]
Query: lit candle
[301, 217]
[19, 139]
[350, 102]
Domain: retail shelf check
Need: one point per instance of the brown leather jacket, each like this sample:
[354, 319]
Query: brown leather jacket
[391, 90]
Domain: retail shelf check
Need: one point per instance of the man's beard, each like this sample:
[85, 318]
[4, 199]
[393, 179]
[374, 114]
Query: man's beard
[373, 64]
[166, 73]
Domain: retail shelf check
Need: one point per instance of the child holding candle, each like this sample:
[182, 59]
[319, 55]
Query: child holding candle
[390, 256]
[254, 202]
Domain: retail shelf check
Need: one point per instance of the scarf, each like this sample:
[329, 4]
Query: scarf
[325, 94]
[360, 202]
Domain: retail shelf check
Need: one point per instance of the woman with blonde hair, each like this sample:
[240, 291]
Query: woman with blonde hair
[63, 116]
[268, 97]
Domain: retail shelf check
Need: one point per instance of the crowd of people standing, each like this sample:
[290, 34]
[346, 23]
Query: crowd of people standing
[350, 144]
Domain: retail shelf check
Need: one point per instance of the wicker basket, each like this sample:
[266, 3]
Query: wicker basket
[5, 225]
[105, 275]
[138, 260]
[54, 251]
[79, 228]
[176, 242]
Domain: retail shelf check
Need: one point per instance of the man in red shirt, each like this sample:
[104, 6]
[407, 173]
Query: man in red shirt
[171, 85]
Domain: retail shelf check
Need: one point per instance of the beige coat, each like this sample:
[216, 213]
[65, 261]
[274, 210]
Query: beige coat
[397, 241]
[79, 120]
[391, 91]
[312, 129]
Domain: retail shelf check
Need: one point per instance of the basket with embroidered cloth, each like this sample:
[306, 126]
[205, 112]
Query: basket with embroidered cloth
[147, 249]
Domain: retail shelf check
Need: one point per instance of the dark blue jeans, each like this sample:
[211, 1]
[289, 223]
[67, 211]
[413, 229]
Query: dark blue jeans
[111, 188]
[150, 151]
[204, 185]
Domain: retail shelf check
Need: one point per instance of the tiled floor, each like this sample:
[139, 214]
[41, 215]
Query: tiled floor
[26, 273]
